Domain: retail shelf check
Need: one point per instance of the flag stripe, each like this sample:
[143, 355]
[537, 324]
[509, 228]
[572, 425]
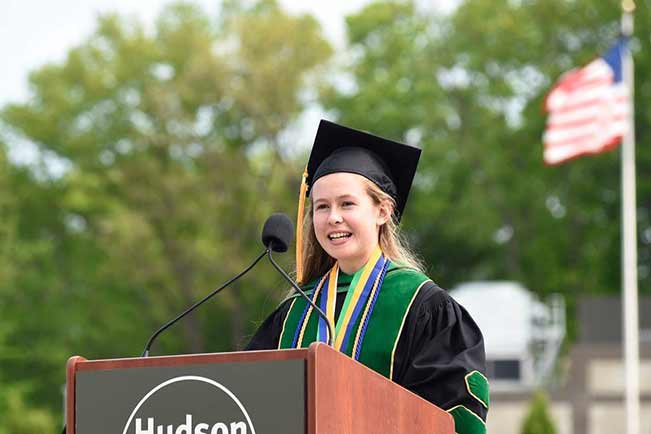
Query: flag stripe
[560, 154]
[585, 114]
[591, 139]
[577, 123]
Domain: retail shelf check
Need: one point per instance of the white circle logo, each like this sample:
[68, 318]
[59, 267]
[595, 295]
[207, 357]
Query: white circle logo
[190, 423]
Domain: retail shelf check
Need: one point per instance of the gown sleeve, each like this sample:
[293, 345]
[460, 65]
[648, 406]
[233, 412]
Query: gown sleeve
[440, 356]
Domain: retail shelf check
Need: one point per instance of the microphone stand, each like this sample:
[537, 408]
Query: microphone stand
[305, 296]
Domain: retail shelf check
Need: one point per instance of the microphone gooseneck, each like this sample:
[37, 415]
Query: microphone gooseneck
[305, 296]
[277, 234]
[145, 353]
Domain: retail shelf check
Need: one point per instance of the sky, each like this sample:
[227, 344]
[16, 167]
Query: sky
[35, 32]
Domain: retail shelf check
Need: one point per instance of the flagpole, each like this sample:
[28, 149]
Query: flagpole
[629, 241]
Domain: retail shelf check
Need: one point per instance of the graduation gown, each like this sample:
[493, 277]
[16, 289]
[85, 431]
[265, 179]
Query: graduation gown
[439, 355]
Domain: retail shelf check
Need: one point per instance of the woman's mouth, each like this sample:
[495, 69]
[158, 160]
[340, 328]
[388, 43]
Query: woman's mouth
[339, 236]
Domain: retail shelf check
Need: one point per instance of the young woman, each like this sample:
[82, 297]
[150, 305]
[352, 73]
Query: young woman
[385, 312]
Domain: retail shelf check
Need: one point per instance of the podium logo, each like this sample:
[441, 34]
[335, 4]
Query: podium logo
[189, 428]
[189, 405]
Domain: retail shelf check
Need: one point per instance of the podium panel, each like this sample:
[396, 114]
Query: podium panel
[305, 391]
[198, 394]
[212, 398]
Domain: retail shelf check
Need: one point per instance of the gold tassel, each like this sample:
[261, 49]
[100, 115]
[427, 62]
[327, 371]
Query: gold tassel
[299, 228]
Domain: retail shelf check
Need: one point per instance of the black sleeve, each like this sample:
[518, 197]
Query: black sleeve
[267, 336]
[439, 345]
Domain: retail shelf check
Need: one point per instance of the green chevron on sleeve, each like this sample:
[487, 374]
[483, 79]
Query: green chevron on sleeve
[477, 386]
[467, 422]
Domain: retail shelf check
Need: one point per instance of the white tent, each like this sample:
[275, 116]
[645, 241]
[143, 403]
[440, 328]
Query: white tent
[522, 335]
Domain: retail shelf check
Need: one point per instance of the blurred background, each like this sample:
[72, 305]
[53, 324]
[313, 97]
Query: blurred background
[143, 145]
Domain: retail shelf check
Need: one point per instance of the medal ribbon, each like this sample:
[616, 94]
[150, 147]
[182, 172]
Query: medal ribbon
[360, 300]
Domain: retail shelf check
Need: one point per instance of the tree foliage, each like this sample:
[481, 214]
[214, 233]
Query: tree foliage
[469, 89]
[172, 153]
[538, 419]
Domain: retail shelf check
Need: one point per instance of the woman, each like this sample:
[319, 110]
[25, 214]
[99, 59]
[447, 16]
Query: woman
[388, 314]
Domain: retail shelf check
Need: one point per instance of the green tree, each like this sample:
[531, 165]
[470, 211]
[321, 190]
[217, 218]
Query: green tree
[172, 145]
[468, 88]
[22, 419]
[7, 223]
[538, 420]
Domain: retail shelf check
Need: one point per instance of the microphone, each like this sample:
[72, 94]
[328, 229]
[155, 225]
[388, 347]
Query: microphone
[277, 234]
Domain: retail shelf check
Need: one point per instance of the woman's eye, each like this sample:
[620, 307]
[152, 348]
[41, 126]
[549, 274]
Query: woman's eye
[321, 206]
[348, 203]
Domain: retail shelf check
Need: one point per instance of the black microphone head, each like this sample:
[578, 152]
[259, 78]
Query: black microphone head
[277, 232]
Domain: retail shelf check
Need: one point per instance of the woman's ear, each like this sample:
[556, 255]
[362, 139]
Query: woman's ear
[384, 214]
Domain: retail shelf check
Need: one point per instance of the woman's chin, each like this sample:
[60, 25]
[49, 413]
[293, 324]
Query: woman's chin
[340, 251]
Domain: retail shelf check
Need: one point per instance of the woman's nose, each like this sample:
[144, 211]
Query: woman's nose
[334, 217]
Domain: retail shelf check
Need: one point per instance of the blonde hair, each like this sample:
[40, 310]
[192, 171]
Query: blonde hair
[316, 262]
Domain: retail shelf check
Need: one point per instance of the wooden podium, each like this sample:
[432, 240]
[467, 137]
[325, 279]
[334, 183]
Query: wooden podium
[313, 391]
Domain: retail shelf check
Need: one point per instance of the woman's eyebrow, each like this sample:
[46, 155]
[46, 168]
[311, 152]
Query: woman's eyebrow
[340, 197]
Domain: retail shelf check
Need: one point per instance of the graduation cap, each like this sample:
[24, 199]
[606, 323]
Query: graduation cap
[388, 164]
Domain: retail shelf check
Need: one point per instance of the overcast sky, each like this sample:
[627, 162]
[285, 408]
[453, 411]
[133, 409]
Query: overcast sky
[33, 32]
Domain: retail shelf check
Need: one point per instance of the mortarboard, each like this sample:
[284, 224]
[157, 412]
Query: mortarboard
[388, 164]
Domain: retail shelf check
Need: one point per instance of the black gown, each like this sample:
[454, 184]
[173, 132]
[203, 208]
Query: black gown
[439, 345]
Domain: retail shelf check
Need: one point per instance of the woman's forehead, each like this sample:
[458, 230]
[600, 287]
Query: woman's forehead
[339, 184]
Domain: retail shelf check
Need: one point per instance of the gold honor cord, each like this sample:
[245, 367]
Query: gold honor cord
[306, 319]
[331, 301]
[353, 299]
[367, 309]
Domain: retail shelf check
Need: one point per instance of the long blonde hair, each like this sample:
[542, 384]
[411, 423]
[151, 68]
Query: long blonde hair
[316, 262]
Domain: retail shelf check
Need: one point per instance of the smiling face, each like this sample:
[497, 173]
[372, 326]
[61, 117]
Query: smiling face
[346, 219]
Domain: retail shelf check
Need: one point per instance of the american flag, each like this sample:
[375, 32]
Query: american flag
[588, 109]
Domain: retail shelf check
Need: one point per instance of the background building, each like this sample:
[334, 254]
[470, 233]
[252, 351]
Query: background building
[523, 340]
